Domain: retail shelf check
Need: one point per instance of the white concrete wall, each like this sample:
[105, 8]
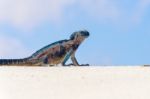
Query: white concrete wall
[75, 82]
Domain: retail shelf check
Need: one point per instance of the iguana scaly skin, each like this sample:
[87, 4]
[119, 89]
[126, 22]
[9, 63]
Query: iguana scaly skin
[53, 54]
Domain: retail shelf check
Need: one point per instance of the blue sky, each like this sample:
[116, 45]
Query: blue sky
[120, 29]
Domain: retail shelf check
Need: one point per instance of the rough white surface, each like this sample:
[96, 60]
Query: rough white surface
[75, 82]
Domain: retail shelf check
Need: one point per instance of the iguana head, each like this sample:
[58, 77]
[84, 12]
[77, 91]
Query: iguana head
[80, 35]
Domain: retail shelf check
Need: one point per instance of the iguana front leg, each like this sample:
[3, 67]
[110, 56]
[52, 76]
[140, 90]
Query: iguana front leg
[66, 58]
[71, 54]
[68, 55]
[75, 62]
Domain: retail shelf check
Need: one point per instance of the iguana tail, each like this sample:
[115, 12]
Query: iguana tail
[13, 61]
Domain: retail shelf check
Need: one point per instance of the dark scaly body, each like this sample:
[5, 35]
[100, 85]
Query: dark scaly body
[56, 53]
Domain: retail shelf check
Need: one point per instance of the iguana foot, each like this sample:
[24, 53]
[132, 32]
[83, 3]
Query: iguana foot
[75, 65]
[84, 65]
[69, 65]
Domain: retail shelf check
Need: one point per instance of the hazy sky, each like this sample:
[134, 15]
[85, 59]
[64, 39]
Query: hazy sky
[120, 29]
